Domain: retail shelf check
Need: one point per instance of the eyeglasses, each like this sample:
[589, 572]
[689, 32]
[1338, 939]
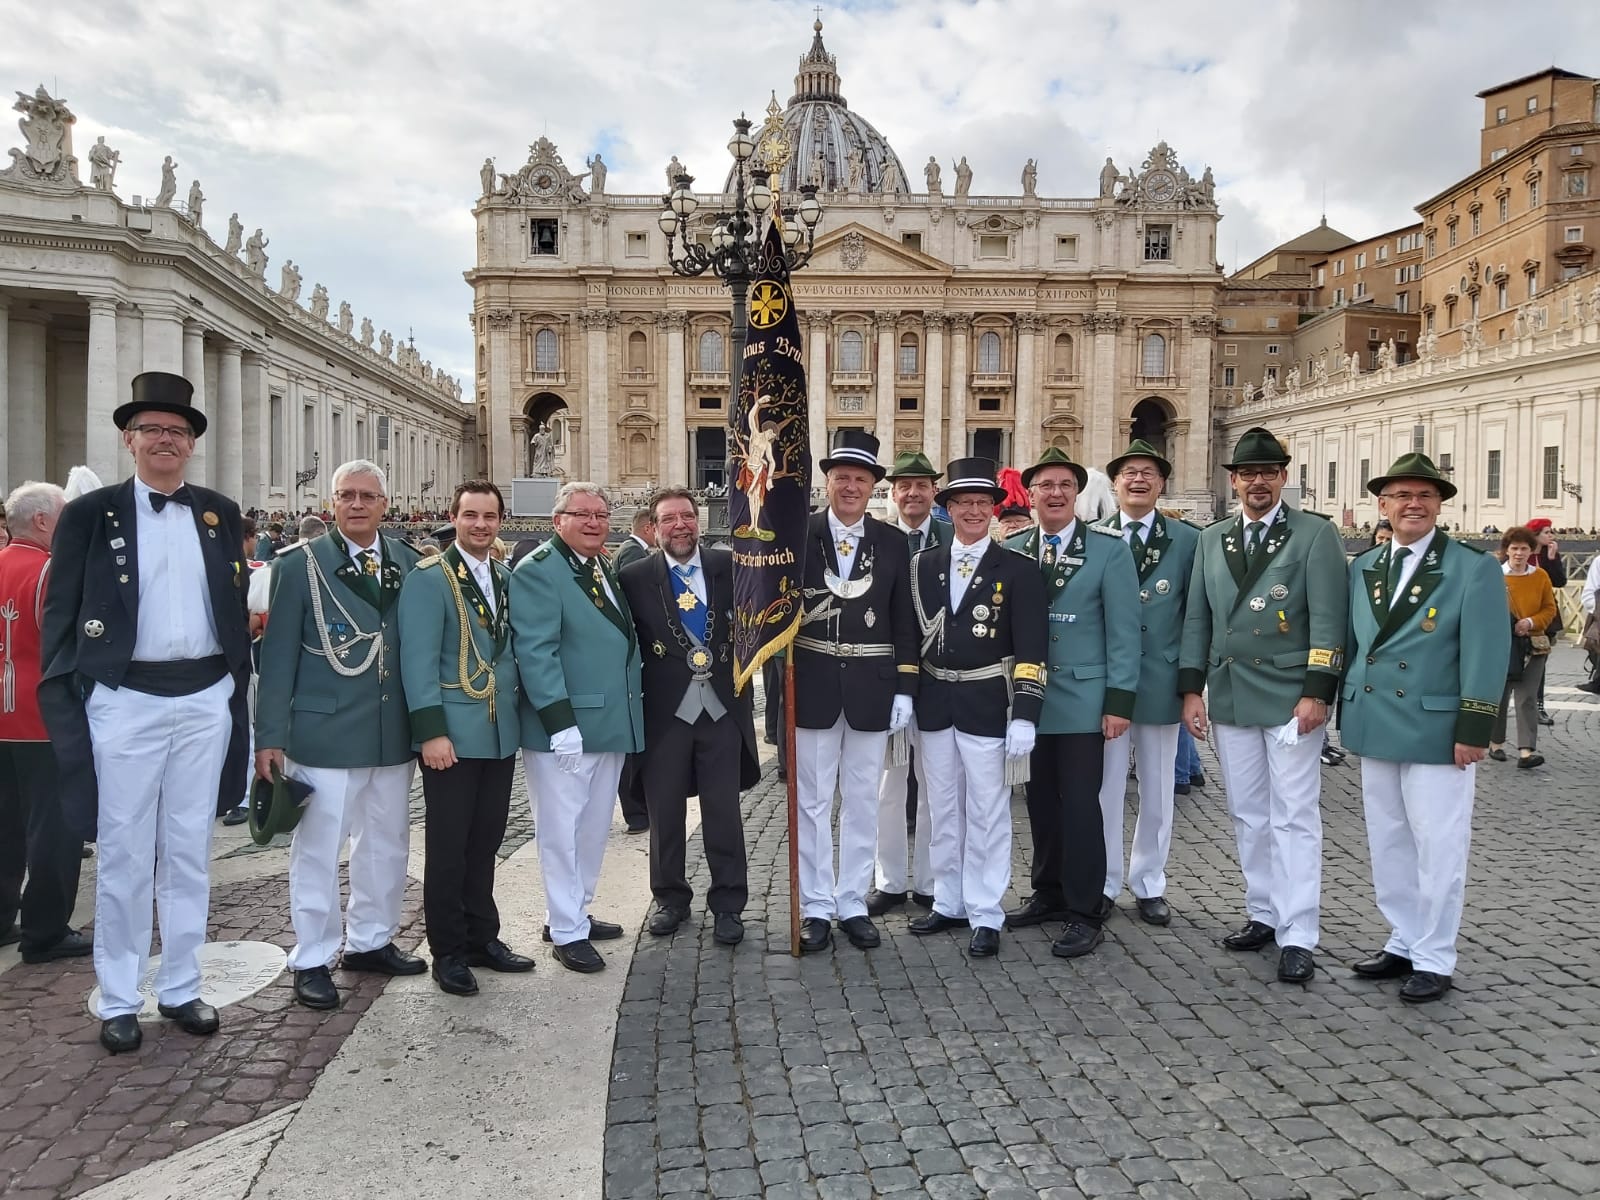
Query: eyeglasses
[963, 503]
[364, 497]
[1408, 497]
[584, 514]
[1251, 474]
[176, 433]
[1065, 485]
[1142, 473]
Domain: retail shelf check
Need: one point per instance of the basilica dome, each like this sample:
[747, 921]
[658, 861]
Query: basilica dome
[827, 142]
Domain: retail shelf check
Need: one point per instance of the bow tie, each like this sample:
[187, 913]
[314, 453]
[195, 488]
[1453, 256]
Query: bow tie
[855, 531]
[181, 496]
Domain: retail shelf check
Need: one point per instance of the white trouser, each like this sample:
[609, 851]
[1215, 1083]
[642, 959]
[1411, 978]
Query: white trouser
[158, 760]
[1156, 748]
[573, 816]
[969, 802]
[370, 806]
[851, 761]
[892, 824]
[250, 735]
[1275, 796]
[1419, 829]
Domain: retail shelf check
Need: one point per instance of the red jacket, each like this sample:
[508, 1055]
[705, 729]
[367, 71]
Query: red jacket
[24, 568]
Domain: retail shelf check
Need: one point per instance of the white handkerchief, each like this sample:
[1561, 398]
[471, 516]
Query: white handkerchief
[1289, 735]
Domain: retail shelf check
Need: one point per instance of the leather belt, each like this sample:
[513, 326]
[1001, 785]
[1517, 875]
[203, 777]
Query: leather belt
[846, 649]
[999, 670]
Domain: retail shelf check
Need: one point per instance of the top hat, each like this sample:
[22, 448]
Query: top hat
[854, 448]
[161, 391]
[1256, 447]
[1139, 448]
[1415, 466]
[970, 475]
[1055, 457]
[275, 807]
[912, 464]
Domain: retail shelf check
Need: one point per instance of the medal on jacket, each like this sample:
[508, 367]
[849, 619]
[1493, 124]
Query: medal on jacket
[1283, 622]
[700, 660]
[1428, 625]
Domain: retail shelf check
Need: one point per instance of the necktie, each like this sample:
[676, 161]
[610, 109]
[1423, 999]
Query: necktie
[369, 562]
[690, 611]
[1253, 533]
[1052, 548]
[181, 496]
[1136, 539]
[916, 540]
[485, 584]
[1396, 569]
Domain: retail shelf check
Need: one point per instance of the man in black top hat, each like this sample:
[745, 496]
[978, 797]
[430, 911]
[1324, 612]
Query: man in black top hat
[855, 664]
[146, 639]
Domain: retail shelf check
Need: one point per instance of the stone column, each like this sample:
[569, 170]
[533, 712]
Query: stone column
[520, 436]
[596, 321]
[163, 339]
[5, 379]
[675, 464]
[960, 328]
[26, 370]
[1102, 400]
[933, 388]
[883, 425]
[102, 398]
[130, 361]
[503, 453]
[230, 416]
[194, 370]
[817, 386]
[1194, 470]
[256, 426]
[1025, 442]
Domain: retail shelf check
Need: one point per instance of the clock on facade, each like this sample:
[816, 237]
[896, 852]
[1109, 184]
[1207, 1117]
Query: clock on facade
[1161, 186]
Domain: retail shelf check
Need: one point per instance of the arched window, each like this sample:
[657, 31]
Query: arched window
[546, 352]
[1153, 362]
[989, 353]
[908, 354]
[638, 348]
[850, 346]
[483, 357]
[1061, 355]
[711, 352]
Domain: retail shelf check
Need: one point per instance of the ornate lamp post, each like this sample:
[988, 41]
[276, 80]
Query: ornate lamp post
[301, 478]
[736, 253]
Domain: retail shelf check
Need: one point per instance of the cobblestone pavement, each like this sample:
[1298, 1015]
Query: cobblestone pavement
[1161, 1066]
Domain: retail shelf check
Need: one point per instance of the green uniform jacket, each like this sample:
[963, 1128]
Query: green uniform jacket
[1163, 589]
[304, 707]
[1092, 670]
[1261, 634]
[1426, 673]
[431, 606]
[576, 652]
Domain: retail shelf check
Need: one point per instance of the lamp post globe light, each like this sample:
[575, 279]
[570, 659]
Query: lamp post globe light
[737, 253]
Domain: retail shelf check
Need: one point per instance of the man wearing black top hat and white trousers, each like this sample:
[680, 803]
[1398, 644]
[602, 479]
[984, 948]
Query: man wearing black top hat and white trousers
[981, 611]
[145, 639]
[855, 664]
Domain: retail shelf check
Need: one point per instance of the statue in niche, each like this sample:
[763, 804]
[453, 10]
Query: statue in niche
[543, 452]
[366, 332]
[196, 203]
[486, 177]
[963, 178]
[347, 319]
[319, 302]
[385, 343]
[289, 281]
[1030, 179]
[819, 169]
[255, 254]
[103, 162]
[1108, 179]
[931, 174]
[235, 236]
[597, 175]
[169, 184]
[856, 170]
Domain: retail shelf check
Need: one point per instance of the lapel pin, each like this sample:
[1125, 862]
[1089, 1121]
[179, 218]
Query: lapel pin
[1163, 587]
[122, 579]
[117, 543]
[210, 518]
[122, 560]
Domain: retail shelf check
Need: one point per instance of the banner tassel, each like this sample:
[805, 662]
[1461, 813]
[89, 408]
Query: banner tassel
[900, 747]
[1018, 770]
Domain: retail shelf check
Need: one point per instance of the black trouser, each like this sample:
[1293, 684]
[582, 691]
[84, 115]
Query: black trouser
[630, 792]
[467, 805]
[703, 758]
[1069, 844]
[34, 839]
[772, 684]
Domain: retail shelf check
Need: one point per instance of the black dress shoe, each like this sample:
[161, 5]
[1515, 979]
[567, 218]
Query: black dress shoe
[1531, 760]
[1544, 717]
[1424, 986]
[385, 960]
[193, 1016]
[1035, 910]
[454, 976]
[1104, 907]
[1181, 789]
[599, 931]
[1296, 965]
[1198, 779]
[666, 920]
[728, 929]
[236, 816]
[1153, 910]
[925, 899]
[879, 903]
[863, 934]
[580, 956]
[1498, 755]
[1252, 935]
[816, 933]
[121, 1034]
[985, 942]
[638, 826]
[10, 937]
[498, 956]
[314, 988]
[1077, 939]
[71, 945]
[935, 922]
[1383, 965]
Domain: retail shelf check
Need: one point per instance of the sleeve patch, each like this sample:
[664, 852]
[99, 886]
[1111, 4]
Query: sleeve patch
[1487, 708]
[1028, 673]
[1330, 660]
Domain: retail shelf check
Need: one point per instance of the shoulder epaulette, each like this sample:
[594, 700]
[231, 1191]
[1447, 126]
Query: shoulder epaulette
[1469, 546]
[432, 560]
[1107, 530]
[541, 553]
[1311, 512]
[1189, 523]
[1225, 520]
[1369, 551]
[296, 548]
[1017, 550]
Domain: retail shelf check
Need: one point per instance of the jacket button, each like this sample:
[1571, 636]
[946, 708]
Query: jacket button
[1258, 662]
[383, 697]
[1230, 658]
[1054, 638]
[1055, 668]
[1402, 666]
[1400, 692]
[1230, 631]
[1368, 687]
[1370, 660]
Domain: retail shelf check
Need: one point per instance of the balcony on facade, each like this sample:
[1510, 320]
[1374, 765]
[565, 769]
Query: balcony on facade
[991, 380]
[637, 377]
[545, 378]
[708, 379]
[1063, 379]
[1156, 382]
[852, 379]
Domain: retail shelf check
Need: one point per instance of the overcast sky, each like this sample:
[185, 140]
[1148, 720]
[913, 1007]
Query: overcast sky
[352, 131]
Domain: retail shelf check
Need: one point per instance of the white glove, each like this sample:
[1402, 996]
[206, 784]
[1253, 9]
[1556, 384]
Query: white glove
[567, 745]
[900, 714]
[1289, 735]
[1019, 739]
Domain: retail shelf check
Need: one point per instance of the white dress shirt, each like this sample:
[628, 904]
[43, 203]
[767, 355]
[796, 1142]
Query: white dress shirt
[1145, 525]
[959, 556]
[483, 573]
[843, 535]
[1408, 566]
[1063, 536]
[175, 617]
[1266, 520]
[697, 573]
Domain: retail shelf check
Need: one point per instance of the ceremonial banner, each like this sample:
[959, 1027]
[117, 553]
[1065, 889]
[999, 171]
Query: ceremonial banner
[769, 464]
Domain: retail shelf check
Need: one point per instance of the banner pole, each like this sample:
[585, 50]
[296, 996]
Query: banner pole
[794, 803]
